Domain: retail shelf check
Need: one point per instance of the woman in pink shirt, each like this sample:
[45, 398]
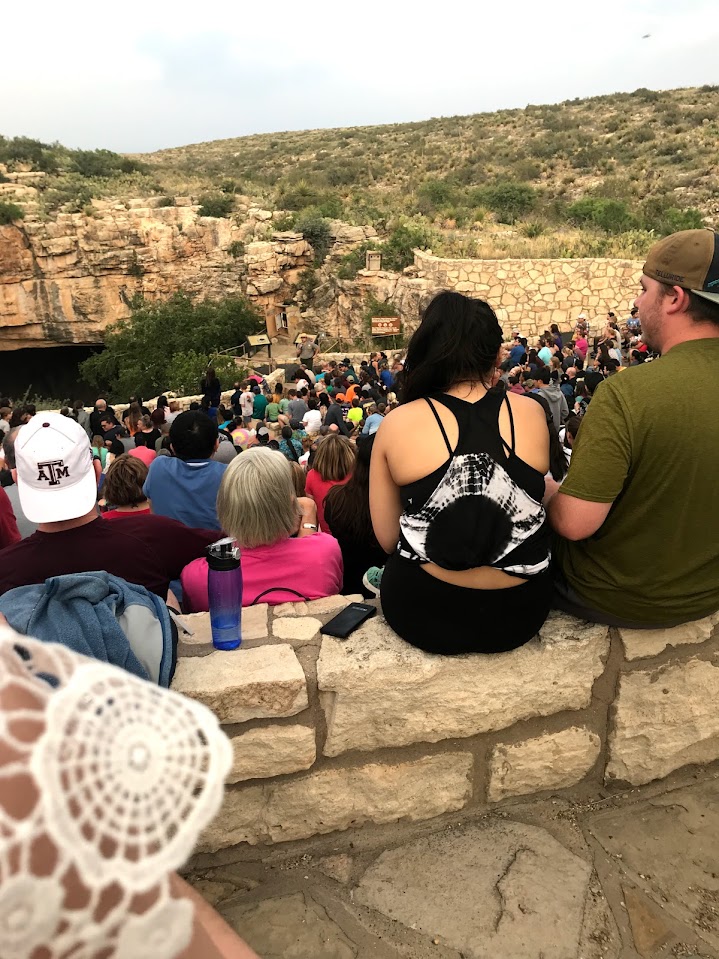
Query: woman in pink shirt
[332, 464]
[284, 556]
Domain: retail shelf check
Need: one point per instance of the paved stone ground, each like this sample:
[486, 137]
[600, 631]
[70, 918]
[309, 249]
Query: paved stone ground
[635, 874]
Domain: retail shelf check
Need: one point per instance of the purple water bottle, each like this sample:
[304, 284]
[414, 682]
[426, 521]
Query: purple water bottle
[224, 585]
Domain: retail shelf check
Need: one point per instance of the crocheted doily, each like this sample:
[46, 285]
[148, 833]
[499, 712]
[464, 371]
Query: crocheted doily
[105, 783]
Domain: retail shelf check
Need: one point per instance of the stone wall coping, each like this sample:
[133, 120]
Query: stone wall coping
[331, 734]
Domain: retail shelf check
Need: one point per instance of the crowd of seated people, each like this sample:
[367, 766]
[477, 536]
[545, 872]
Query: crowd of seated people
[474, 482]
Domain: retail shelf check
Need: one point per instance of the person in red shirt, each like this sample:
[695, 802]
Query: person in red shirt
[9, 533]
[332, 464]
[123, 488]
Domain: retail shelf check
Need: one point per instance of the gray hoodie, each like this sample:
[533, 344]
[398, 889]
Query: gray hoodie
[557, 402]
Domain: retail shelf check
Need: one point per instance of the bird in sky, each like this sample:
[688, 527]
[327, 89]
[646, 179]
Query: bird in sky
[646, 36]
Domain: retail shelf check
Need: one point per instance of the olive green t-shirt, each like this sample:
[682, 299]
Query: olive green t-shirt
[649, 444]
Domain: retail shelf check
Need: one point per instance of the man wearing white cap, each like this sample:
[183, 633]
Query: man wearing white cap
[58, 491]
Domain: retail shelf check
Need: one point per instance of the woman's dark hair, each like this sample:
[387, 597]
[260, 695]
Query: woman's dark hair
[638, 356]
[535, 359]
[572, 426]
[286, 432]
[162, 401]
[287, 436]
[349, 504]
[554, 329]
[457, 341]
[158, 416]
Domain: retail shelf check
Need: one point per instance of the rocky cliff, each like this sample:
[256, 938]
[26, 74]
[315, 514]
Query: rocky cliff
[63, 281]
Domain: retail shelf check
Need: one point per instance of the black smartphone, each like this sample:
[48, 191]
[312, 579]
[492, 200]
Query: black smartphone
[348, 620]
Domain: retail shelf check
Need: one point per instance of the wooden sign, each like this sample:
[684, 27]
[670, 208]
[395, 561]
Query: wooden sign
[386, 325]
[258, 339]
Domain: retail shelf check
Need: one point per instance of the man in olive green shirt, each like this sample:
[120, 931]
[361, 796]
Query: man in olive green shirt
[637, 517]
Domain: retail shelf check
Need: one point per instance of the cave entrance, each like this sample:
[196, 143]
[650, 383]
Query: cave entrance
[49, 372]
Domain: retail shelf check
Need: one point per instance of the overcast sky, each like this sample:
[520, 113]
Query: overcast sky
[145, 74]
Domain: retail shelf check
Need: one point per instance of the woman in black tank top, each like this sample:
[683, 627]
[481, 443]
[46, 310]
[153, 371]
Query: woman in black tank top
[466, 510]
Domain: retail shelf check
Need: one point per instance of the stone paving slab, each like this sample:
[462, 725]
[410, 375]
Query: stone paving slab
[632, 876]
[501, 889]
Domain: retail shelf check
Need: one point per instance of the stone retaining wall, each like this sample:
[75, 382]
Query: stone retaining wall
[532, 294]
[329, 735]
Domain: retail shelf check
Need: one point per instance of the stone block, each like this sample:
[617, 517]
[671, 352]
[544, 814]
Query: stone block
[290, 609]
[244, 684]
[271, 751]
[553, 761]
[663, 719]
[639, 643]
[296, 629]
[377, 690]
[332, 604]
[335, 799]
[254, 626]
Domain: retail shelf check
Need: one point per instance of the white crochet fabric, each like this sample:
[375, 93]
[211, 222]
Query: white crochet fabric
[105, 783]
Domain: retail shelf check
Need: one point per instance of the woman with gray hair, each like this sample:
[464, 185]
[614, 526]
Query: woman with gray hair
[284, 556]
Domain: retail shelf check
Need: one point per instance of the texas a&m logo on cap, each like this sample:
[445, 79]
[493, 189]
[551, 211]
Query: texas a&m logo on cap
[52, 471]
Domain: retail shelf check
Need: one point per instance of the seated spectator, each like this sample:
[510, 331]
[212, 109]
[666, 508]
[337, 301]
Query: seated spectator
[144, 453]
[637, 518]
[456, 486]
[58, 490]
[312, 420]
[347, 514]
[332, 464]
[355, 414]
[147, 433]
[374, 420]
[175, 410]
[132, 418]
[25, 526]
[335, 416]
[284, 557]
[296, 406]
[259, 404]
[225, 451]
[184, 486]
[123, 488]
[9, 532]
[552, 393]
[289, 446]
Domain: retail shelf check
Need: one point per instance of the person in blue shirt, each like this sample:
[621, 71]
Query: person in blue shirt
[518, 352]
[374, 420]
[386, 378]
[184, 486]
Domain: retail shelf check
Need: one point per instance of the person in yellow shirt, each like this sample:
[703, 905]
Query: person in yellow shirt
[355, 414]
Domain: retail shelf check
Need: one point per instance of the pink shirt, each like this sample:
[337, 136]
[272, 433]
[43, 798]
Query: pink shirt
[310, 565]
[144, 454]
[318, 489]
[582, 347]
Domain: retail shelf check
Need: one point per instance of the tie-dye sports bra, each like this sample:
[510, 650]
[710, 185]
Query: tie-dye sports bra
[483, 506]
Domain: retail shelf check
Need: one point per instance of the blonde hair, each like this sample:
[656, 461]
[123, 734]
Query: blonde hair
[256, 502]
[124, 481]
[334, 458]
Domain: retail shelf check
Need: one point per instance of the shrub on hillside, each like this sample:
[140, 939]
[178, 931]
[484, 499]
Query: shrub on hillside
[316, 230]
[397, 250]
[217, 205]
[613, 216]
[506, 199]
[10, 212]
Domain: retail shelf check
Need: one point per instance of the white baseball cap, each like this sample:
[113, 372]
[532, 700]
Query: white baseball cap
[55, 475]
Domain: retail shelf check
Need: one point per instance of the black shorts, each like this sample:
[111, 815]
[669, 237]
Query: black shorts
[440, 618]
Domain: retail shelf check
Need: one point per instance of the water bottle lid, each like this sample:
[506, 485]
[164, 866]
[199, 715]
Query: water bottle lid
[223, 555]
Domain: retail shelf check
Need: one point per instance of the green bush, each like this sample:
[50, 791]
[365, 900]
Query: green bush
[185, 370]
[506, 199]
[216, 205]
[10, 212]
[613, 216]
[354, 261]
[70, 195]
[103, 163]
[397, 250]
[140, 351]
[236, 249]
[316, 230]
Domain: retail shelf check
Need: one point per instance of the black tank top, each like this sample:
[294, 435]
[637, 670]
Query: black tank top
[483, 506]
